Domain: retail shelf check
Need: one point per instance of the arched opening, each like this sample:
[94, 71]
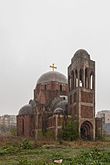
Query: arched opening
[61, 88]
[32, 133]
[72, 75]
[92, 80]
[86, 131]
[81, 78]
[76, 75]
[45, 87]
[86, 78]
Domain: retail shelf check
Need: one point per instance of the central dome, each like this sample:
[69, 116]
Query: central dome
[52, 76]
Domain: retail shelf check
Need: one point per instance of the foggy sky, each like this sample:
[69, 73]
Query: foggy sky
[37, 33]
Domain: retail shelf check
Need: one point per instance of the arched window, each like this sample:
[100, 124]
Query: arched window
[72, 80]
[45, 87]
[86, 78]
[81, 78]
[61, 88]
[76, 75]
[92, 80]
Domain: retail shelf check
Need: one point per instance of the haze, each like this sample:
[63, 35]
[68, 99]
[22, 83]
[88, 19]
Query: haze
[37, 33]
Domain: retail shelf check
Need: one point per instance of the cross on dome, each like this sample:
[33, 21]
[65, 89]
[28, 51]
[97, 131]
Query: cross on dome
[53, 67]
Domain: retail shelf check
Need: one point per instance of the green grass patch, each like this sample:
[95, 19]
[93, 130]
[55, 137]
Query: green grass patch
[26, 154]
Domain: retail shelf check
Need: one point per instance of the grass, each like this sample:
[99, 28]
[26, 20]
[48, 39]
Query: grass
[44, 153]
[38, 155]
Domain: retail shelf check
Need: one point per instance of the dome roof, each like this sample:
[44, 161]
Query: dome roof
[26, 110]
[58, 111]
[54, 102]
[52, 76]
[62, 104]
[82, 53]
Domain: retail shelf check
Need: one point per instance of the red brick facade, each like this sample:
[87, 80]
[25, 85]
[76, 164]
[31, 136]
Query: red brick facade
[50, 106]
[86, 112]
[25, 126]
[42, 117]
[81, 80]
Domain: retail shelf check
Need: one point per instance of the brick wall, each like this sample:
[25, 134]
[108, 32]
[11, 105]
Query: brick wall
[25, 125]
[86, 97]
[86, 111]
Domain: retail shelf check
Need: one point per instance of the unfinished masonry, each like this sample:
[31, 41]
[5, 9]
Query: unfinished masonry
[81, 97]
[57, 100]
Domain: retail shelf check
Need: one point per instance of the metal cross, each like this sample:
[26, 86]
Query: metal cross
[53, 67]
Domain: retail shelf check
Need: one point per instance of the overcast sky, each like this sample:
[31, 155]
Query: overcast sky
[37, 33]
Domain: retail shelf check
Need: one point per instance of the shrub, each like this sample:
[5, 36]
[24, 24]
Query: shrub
[26, 144]
[70, 131]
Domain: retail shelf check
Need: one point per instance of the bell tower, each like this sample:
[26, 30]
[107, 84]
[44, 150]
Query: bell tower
[81, 97]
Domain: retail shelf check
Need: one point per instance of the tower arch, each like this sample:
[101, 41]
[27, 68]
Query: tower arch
[86, 130]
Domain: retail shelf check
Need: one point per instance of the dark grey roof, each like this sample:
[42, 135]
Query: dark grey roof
[81, 53]
[62, 104]
[58, 111]
[26, 110]
[32, 103]
[52, 76]
[54, 103]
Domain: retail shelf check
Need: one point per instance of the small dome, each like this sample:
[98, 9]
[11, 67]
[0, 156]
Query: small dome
[26, 110]
[54, 103]
[52, 76]
[82, 54]
[58, 111]
[62, 104]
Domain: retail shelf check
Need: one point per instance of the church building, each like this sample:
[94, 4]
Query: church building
[58, 99]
